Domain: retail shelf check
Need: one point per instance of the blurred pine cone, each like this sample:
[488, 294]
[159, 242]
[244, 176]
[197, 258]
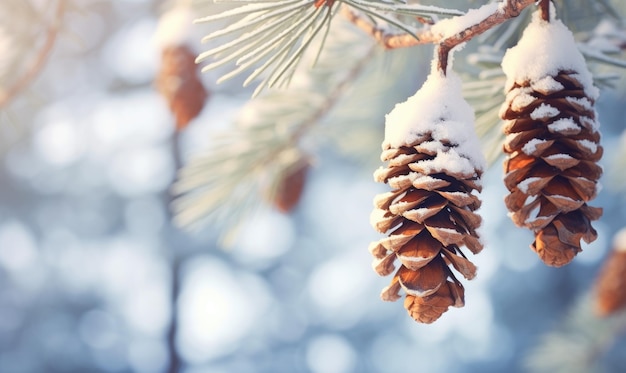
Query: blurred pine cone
[180, 84]
[290, 186]
[552, 143]
[610, 286]
[429, 215]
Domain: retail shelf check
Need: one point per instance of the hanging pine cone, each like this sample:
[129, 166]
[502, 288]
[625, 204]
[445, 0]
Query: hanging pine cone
[290, 186]
[610, 286]
[434, 165]
[552, 141]
[179, 83]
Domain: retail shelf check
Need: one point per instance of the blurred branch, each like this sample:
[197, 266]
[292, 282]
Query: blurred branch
[577, 345]
[39, 60]
[504, 11]
[224, 184]
[174, 358]
[333, 96]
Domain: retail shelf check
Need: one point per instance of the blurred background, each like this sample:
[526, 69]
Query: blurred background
[94, 277]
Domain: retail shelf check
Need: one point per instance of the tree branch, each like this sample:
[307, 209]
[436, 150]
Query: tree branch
[382, 36]
[544, 7]
[27, 77]
[506, 10]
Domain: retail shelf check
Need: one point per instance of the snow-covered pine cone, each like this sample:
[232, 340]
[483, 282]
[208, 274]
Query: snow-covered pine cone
[433, 172]
[552, 141]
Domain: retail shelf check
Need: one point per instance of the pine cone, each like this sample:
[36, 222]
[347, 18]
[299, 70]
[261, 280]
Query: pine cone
[180, 84]
[429, 214]
[610, 286]
[290, 186]
[552, 143]
[551, 171]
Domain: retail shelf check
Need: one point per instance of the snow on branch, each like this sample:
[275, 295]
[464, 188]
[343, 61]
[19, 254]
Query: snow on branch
[447, 33]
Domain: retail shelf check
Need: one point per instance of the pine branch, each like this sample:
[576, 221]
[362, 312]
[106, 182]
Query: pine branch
[224, 185]
[39, 60]
[499, 12]
[271, 36]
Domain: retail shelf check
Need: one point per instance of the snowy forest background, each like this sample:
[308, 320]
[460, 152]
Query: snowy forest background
[90, 261]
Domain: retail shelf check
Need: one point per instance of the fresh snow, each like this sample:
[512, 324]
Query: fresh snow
[400, 181]
[582, 102]
[589, 145]
[545, 49]
[563, 125]
[524, 184]
[558, 156]
[449, 27]
[547, 85]
[521, 100]
[438, 109]
[426, 182]
[531, 146]
[589, 123]
[544, 111]
[451, 161]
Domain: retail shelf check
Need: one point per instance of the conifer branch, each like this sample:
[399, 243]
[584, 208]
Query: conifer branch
[383, 36]
[500, 12]
[271, 36]
[224, 185]
[578, 343]
[503, 12]
[334, 96]
[39, 60]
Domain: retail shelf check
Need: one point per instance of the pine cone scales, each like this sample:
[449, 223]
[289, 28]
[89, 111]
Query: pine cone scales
[428, 215]
[551, 171]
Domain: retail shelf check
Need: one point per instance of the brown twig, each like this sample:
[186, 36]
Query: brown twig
[507, 10]
[544, 8]
[382, 36]
[29, 74]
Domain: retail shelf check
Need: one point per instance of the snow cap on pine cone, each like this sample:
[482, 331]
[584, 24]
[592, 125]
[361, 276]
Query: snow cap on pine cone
[545, 49]
[439, 99]
[434, 165]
